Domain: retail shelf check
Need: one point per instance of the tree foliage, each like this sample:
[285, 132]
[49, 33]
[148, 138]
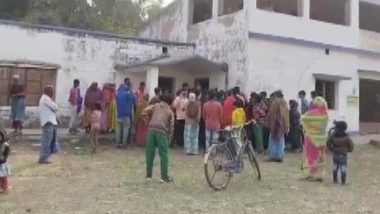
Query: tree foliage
[121, 16]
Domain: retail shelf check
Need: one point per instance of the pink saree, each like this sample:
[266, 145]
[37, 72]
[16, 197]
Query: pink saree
[314, 123]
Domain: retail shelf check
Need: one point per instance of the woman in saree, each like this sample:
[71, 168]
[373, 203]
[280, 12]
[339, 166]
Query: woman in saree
[314, 123]
[106, 102]
[18, 104]
[259, 113]
[93, 96]
[141, 125]
[112, 118]
[278, 122]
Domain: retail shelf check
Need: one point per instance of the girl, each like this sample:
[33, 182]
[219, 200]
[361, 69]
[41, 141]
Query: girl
[141, 125]
[4, 169]
[193, 116]
[95, 125]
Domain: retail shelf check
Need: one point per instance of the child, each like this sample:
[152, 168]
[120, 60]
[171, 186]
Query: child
[238, 119]
[95, 125]
[160, 131]
[340, 144]
[293, 140]
[4, 169]
[238, 114]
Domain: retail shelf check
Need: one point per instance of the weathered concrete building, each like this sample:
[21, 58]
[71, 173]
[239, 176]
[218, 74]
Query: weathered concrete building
[328, 46]
[54, 55]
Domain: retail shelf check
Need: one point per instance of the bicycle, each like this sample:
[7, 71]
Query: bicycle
[224, 158]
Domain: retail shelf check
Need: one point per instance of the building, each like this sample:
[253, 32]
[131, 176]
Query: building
[332, 47]
[44, 55]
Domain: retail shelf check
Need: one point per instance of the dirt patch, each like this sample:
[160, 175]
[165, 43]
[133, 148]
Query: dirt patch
[113, 182]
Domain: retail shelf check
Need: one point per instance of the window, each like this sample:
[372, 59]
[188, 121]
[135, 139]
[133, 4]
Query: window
[34, 79]
[327, 89]
[336, 12]
[230, 6]
[289, 7]
[369, 17]
[202, 10]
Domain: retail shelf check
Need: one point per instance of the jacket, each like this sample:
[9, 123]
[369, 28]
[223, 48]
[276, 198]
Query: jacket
[340, 145]
[125, 101]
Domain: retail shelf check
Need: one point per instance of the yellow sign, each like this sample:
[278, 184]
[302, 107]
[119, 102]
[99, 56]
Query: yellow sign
[353, 101]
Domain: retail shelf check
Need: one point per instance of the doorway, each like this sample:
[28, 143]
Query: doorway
[369, 106]
[203, 82]
[166, 84]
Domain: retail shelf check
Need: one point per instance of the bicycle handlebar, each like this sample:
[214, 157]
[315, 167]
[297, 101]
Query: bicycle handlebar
[229, 128]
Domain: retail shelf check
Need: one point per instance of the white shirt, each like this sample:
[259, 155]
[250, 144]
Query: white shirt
[47, 109]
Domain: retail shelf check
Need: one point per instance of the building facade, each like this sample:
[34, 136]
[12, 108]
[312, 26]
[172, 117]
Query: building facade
[332, 47]
[44, 55]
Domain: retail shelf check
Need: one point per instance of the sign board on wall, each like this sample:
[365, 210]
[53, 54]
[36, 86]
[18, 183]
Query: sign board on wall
[353, 101]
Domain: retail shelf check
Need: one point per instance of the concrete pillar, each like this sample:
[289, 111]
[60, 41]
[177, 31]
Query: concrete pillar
[305, 8]
[152, 80]
[352, 13]
[215, 8]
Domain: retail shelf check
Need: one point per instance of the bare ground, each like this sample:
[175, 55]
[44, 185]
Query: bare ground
[113, 182]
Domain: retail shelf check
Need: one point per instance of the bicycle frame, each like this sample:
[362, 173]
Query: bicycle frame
[235, 135]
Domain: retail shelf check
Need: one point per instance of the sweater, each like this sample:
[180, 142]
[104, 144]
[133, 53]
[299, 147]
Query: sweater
[160, 117]
[238, 117]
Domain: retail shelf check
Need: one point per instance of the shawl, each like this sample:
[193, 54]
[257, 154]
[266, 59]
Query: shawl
[93, 95]
[278, 118]
[315, 121]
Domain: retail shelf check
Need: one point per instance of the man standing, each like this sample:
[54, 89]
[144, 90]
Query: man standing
[213, 116]
[304, 104]
[47, 110]
[75, 101]
[156, 98]
[124, 103]
[160, 131]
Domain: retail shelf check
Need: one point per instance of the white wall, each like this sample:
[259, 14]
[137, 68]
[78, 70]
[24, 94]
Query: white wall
[86, 57]
[274, 65]
[278, 24]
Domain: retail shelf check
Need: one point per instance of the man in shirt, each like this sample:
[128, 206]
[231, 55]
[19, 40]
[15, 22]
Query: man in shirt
[304, 104]
[213, 116]
[47, 110]
[125, 101]
[75, 101]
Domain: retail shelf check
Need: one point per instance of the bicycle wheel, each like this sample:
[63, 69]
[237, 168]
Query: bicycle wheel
[214, 165]
[252, 159]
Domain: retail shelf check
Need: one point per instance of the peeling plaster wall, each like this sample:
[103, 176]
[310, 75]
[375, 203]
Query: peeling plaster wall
[275, 65]
[170, 24]
[224, 40]
[85, 57]
[221, 39]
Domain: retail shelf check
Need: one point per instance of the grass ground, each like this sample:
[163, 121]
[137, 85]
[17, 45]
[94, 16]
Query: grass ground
[113, 182]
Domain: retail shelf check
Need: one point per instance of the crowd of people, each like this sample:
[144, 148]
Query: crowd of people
[191, 118]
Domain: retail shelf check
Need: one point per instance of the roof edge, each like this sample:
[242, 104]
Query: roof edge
[313, 43]
[93, 33]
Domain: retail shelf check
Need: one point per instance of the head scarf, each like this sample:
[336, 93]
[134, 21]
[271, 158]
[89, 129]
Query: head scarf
[93, 95]
[192, 97]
